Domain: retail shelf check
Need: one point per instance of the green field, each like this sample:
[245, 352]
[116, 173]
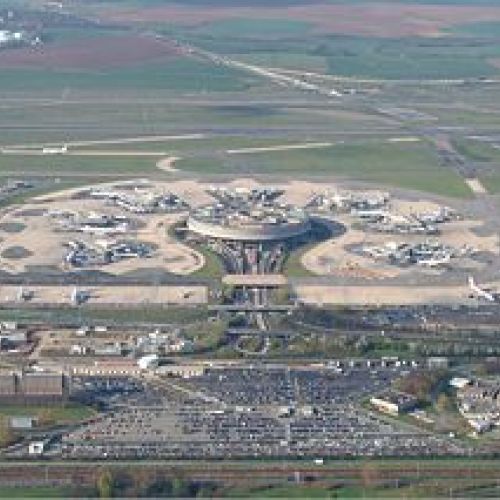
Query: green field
[85, 316]
[412, 166]
[96, 116]
[485, 29]
[35, 492]
[408, 58]
[187, 75]
[491, 182]
[487, 156]
[268, 29]
[76, 165]
[213, 267]
[450, 56]
[63, 414]
[477, 150]
[286, 60]
[466, 118]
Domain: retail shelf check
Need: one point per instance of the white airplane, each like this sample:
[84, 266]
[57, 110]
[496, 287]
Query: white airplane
[434, 262]
[335, 93]
[55, 150]
[483, 293]
[24, 295]
[79, 297]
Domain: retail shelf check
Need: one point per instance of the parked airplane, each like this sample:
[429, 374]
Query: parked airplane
[79, 297]
[483, 293]
[434, 262]
[55, 150]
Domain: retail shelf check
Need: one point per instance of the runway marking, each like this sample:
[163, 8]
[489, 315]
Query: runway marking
[125, 140]
[403, 139]
[281, 147]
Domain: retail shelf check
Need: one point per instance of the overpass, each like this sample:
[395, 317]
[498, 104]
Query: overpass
[255, 280]
[249, 308]
[250, 332]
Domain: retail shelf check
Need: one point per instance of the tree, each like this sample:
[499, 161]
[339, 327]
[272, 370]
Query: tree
[105, 484]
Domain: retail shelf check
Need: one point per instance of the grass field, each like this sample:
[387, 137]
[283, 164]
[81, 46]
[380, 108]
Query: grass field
[450, 56]
[187, 75]
[286, 60]
[408, 166]
[106, 116]
[485, 29]
[268, 29]
[485, 154]
[75, 165]
[35, 492]
[64, 414]
[86, 316]
[293, 267]
[477, 150]
[409, 58]
[466, 118]
[491, 182]
[213, 267]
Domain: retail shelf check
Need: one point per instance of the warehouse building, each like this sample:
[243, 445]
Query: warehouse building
[33, 387]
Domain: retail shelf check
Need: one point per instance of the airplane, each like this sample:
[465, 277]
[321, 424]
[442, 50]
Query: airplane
[436, 262]
[483, 293]
[24, 295]
[55, 150]
[79, 297]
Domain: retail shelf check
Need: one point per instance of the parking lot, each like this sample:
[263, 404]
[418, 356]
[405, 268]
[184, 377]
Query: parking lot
[249, 411]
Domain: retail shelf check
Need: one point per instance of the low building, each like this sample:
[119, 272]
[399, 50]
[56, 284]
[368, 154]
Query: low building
[36, 448]
[21, 423]
[460, 382]
[438, 363]
[33, 387]
[148, 362]
[13, 339]
[394, 402]
[8, 385]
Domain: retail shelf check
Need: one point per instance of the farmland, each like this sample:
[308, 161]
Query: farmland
[396, 19]
[100, 52]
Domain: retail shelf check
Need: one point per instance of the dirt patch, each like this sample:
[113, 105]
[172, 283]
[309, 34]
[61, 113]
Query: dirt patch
[167, 164]
[93, 53]
[375, 19]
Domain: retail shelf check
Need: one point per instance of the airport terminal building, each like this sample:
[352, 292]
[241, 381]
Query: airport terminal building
[248, 217]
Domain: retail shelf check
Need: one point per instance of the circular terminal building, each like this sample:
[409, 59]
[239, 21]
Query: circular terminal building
[251, 216]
